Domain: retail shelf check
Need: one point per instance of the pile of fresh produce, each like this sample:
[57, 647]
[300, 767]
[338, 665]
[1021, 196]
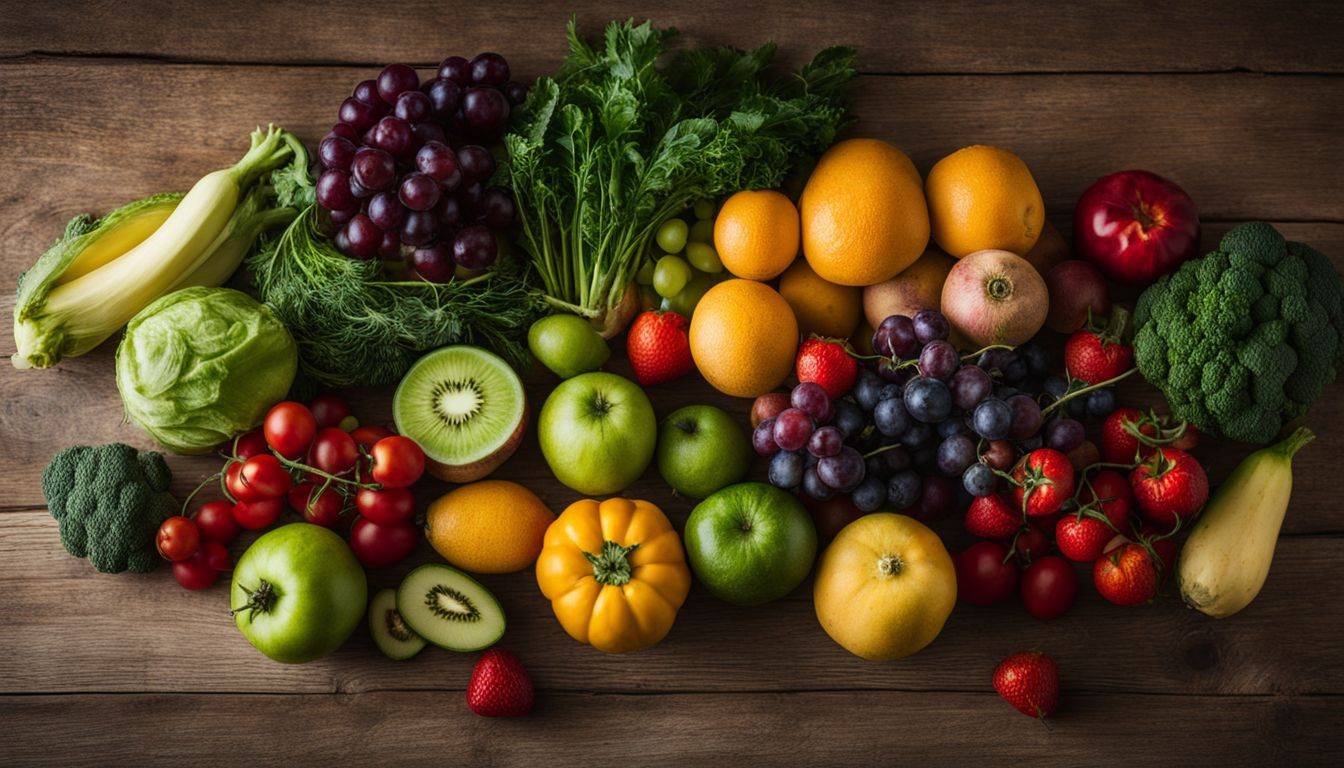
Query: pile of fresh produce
[888, 326]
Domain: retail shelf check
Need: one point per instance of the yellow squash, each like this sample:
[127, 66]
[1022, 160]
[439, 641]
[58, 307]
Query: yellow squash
[884, 587]
[615, 573]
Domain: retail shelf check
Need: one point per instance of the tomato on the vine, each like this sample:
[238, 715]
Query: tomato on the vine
[195, 572]
[397, 461]
[178, 538]
[386, 506]
[255, 515]
[265, 476]
[368, 435]
[324, 510]
[248, 445]
[333, 451]
[983, 576]
[1031, 542]
[237, 488]
[329, 410]
[289, 429]
[215, 521]
[216, 556]
[1049, 587]
[376, 545]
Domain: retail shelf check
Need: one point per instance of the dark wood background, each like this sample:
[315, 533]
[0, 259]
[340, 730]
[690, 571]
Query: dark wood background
[103, 102]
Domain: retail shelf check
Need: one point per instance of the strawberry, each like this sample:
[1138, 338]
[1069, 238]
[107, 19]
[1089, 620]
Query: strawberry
[1029, 680]
[1093, 356]
[1105, 502]
[993, 517]
[828, 363]
[658, 347]
[1042, 481]
[1129, 435]
[1170, 487]
[1163, 545]
[1126, 573]
[499, 686]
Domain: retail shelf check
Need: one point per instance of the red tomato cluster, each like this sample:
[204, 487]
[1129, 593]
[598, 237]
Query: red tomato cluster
[1119, 517]
[319, 461]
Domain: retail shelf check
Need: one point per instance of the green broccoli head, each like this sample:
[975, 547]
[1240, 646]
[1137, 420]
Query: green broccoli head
[1244, 339]
[109, 501]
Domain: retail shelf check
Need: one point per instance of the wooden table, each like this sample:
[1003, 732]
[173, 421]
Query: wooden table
[1242, 104]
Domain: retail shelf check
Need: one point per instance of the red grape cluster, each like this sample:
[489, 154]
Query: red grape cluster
[405, 169]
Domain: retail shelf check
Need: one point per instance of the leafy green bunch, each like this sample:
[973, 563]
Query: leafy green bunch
[619, 141]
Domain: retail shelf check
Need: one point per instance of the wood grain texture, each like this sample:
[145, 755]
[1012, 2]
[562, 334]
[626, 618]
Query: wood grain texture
[821, 728]
[1004, 36]
[87, 632]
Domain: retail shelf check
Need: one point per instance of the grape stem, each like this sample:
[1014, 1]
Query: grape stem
[1075, 393]
[883, 449]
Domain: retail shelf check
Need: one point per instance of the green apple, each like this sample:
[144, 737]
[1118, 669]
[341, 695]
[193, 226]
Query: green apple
[298, 592]
[567, 344]
[597, 432]
[750, 543]
[701, 449]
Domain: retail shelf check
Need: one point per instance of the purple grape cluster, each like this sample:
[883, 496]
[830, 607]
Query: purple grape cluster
[406, 168]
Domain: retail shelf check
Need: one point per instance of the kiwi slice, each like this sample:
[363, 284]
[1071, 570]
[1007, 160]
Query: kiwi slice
[390, 632]
[449, 608]
[465, 407]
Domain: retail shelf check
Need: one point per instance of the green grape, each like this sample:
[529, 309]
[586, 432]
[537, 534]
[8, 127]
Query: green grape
[702, 231]
[684, 302]
[703, 257]
[704, 209]
[670, 276]
[671, 235]
[645, 274]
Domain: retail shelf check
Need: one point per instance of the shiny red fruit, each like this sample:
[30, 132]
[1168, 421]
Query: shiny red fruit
[985, 574]
[1136, 226]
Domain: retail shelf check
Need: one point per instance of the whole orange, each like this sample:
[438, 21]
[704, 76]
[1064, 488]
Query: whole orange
[863, 213]
[490, 526]
[821, 307]
[756, 234]
[743, 337]
[984, 197]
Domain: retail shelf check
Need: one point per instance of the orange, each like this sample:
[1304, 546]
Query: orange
[756, 234]
[490, 526]
[863, 213]
[823, 308]
[984, 197]
[743, 337]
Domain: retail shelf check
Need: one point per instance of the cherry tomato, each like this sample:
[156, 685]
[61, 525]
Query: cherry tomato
[397, 461]
[195, 572]
[216, 556]
[178, 538]
[265, 476]
[385, 507]
[368, 436]
[333, 451]
[329, 410]
[983, 578]
[1049, 587]
[289, 429]
[1031, 542]
[215, 521]
[255, 515]
[325, 510]
[251, 444]
[377, 546]
[233, 481]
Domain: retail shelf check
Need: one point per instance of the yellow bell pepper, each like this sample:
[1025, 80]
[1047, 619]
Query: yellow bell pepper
[615, 573]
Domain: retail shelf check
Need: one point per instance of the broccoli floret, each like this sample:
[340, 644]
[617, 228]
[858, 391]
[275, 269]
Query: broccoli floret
[109, 501]
[1243, 339]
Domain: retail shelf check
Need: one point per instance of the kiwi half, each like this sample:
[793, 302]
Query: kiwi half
[465, 407]
[393, 636]
[449, 608]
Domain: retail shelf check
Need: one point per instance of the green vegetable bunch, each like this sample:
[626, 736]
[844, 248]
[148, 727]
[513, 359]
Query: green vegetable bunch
[201, 365]
[618, 141]
[356, 327]
[109, 501]
[1242, 340]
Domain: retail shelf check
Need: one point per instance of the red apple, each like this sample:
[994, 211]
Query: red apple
[1136, 226]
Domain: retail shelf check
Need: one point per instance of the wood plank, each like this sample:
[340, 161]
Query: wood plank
[85, 632]
[823, 728]
[1005, 36]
